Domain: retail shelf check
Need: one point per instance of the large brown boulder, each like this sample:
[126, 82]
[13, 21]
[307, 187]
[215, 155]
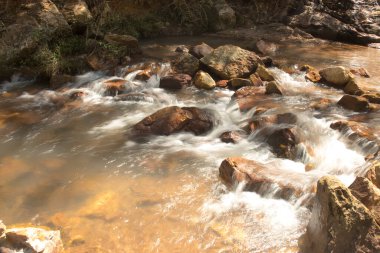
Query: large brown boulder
[354, 103]
[174, 119]
[340, 223]
[258, 177]
[365, 191]
[230, 61]
[353, 88]
[175, 82]
[336, 76]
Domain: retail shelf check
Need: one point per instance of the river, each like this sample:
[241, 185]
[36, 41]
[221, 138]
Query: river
[73, 166]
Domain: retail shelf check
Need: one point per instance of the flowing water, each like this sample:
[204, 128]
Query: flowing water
[71, 165]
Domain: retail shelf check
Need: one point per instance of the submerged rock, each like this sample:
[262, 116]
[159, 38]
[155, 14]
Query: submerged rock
[354, 103]
[230, 61]
[203, 80]
[340, 223]
[175, 82]
[174, 119]
[336, 76]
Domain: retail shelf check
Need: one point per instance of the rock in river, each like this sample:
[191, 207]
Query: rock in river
[336, 76]
[174, 119]
[340, 223]
[175, 82]
[203, 80]
[354, 103]
[229, 62]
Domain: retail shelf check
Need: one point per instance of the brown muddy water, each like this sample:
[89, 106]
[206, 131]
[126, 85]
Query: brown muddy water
[73, 167]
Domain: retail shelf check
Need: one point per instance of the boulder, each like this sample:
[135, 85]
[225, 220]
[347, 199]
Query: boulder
[237, 83]
[186, 64]
[230, 137]
[77, 15]
[230, 61]
[115, 87]
[353, 88]
[122, 40]
[354, 103]
[273, 88]
[264, 73]
[31, 240]
[283, 143]
[248, 91]
[175, 82]
[339, 223]
[336, 76]
[200, 51]
[203, 80]
[174, 119]
[262, 179]
[367, 193]
[221, 16]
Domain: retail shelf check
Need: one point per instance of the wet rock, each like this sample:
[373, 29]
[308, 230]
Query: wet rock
[313, 76]
[173, 119]
[354, 129]
[103, 206]
[221, 16]
[264, 73]
[339, 223]
[373, 174]
[114, 87]
[255, 80]
[229, 62]
[237, 83]
[372, 97]
[367, 193]
[283, 143]
[321, 104]
[353, 88]
[273, 88]
[56, 81]
[222, 83]
[360, 72]
[308, 68]
[122, 40]
[260, 178]
[230, 137]
[267, 61]
[143, 75]
[354, 103]
[336, 76]
[203, 80]
[76, 95]
[200, 51]
[175, 82]
[77, 15]
[31, 240]
[138, 97]
[263, 121]
[186, 64]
